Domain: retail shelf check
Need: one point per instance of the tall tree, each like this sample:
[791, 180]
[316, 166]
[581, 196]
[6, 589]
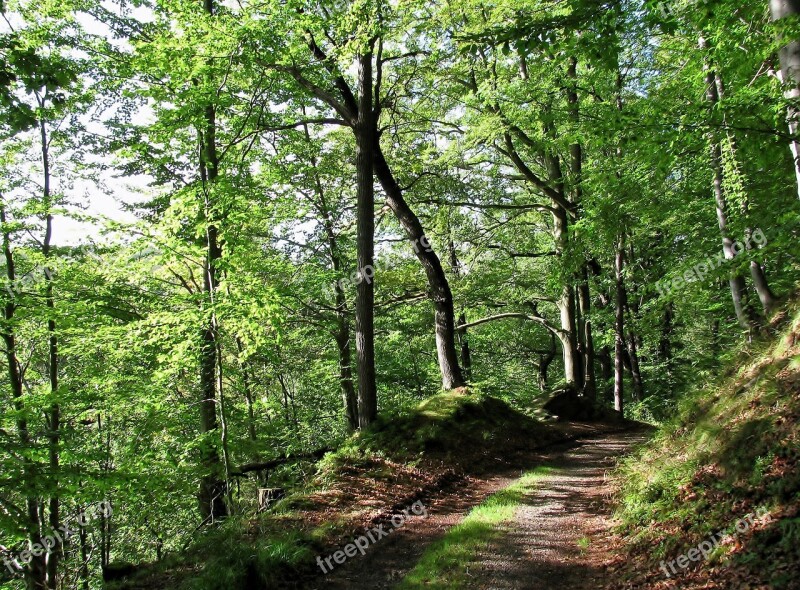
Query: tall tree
[781, 11]
[364, 129]
[336, 93]
[213, 485]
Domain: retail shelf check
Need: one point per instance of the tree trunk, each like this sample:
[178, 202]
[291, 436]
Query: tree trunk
[768, 299]
[212, 485]
[736, 281]
[439, 288]
[665, 342]
[54, 417]
[633, 341]
[790, 75]
[545, 360]
[349, 395]
[365, 295]
[587, 372]
[569, 338]
[567, 311]
[606, 372]
[466, 353]
[461, 332]
[589, 375]
[636, 372]
[765, 294]
[619, 326]
[84, 574]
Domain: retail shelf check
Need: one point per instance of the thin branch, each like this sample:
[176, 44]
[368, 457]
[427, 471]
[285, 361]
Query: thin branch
[519, 316]
[346, 113]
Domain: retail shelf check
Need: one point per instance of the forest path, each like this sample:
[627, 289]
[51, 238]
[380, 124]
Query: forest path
[550, 542]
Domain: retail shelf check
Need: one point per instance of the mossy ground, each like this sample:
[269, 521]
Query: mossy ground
[733, 449]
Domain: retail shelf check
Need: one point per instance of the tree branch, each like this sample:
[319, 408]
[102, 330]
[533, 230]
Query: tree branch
[531, 177]
[348, 114]
[519, 316]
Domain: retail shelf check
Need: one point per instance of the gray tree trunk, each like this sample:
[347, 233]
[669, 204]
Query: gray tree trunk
[790, 75]
[765, 294]
[619, 326]
[573, 363]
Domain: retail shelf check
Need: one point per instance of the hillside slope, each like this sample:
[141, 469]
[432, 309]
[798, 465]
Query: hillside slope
[713, 501]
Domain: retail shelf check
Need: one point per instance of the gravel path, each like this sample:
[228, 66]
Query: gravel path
[538, 549]
[549, 544]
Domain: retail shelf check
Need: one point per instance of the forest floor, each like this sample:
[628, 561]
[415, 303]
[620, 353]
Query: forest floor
[549, 543]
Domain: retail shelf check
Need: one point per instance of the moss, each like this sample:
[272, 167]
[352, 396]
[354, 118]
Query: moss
[732, 447]
[439, 425]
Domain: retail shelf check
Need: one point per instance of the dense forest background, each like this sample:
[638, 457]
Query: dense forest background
[316, 214]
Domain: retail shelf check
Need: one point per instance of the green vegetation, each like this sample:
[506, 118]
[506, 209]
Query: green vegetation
[236, 234]
[445, 564]
[733, 450]
[441, 425]
[280, 544]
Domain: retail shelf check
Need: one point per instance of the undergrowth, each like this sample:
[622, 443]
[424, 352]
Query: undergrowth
[732, 448]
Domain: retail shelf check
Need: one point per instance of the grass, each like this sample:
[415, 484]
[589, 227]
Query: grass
[446, 563]
[734, 447]
[584, 543]
[439, 425]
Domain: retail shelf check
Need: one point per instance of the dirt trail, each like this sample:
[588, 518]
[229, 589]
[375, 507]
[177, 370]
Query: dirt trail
[538, 549]
[552, 541]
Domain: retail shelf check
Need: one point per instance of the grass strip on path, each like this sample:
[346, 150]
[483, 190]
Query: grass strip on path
[445, 564]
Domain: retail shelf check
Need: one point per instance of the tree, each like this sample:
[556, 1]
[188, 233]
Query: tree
[781, 11]
[339, 97]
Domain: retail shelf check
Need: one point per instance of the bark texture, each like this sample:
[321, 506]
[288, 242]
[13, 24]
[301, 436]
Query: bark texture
[366, 139]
